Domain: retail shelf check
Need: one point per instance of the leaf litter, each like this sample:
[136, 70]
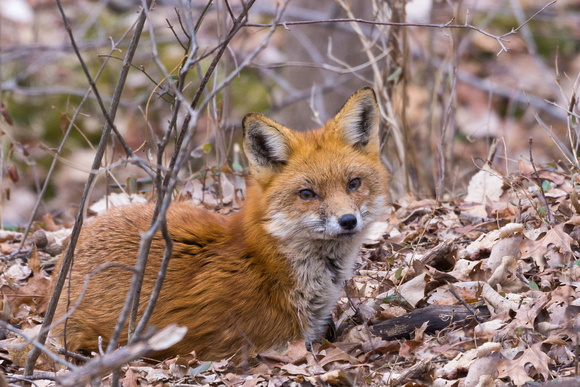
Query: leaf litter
[482, 291]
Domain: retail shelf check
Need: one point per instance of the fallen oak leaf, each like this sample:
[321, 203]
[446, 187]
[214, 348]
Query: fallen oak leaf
[516, 369]
[292, 369]
[506, 246]
[130, 380]
[486, 185]
[337, 355]
[554, 236]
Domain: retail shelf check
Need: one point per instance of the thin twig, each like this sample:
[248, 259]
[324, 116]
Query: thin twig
[109, 115]
[499, 38]
[68, 256]
[20, 378]
[74, 355]
[169, 184]
[562, 108]
[227, 80]
[100, 366]
[38, 345]
[444, 126]
[238, 24]
[61, 146]
[567, 154]
[539, 183]
[167, 253]
[477, 317]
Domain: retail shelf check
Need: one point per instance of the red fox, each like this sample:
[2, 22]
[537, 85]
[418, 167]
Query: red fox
[258, 278]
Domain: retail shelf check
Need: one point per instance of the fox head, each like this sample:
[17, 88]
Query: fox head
[327, 184]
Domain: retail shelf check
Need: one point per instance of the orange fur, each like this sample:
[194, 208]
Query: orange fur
[262, 276]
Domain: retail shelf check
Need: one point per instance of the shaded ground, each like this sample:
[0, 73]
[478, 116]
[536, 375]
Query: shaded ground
[511, 257]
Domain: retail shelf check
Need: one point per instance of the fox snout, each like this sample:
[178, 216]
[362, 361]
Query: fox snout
[341, 226]
[347, 222]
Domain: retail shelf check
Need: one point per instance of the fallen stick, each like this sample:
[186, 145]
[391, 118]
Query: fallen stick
[437, 317]
[103, 365]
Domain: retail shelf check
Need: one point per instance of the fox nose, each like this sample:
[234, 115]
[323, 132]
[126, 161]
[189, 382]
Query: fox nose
[347, 222]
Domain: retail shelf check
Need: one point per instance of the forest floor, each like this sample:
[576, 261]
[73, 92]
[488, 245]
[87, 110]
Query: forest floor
[482, 291]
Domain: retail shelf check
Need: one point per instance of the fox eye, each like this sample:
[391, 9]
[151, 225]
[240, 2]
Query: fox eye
[354, 184]
[307, 194]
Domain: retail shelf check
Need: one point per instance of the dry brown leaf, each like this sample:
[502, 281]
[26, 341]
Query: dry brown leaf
[462, 361]
[155, 375]
[486, 185]
[485, 241]
[18, 351]
[376, 232]
[252, 382]
[555, 236]
[488, 329]
[516, 369]
[484, 366]
[445, 383]
[130, 380]
[505, 275]
[48, 223]
[555, 177]
[414, 290]
[297, 351]
[333, 378]
[497, 304]
[295, 370]
[179, 366]
[506, 246]
[332, 355]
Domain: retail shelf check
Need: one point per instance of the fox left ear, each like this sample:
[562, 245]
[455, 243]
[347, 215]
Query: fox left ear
[358, 120]
[266, 142]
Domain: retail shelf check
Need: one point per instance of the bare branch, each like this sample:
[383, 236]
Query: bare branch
[68, 256]
[37, 345]
[100, 366]
[109, 115]
[178, 156]
[61, 146]
[499, 38]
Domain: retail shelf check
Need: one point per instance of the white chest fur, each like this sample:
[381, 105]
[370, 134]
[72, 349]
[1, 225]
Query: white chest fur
[321, 270]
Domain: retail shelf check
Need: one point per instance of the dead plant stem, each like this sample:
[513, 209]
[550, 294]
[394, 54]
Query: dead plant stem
[539, 183]
[499, 38]
[164, 193]
[61, 146]
[68, 256]
[179, 161]
[109, 115]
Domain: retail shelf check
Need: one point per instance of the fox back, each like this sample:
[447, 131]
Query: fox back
[258, 278]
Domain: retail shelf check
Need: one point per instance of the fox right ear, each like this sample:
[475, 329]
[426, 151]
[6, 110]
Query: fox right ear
[358, 120]
[266, 142]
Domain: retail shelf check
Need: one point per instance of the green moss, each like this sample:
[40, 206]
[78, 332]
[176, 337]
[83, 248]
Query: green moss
[248, 92]
[554, 38]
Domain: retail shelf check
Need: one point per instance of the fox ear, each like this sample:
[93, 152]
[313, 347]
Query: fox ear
[266, 142]
[358, 120]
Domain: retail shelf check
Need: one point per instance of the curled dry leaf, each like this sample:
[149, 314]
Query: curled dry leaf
[167, 337]
[555, 236]
[488, 348]
[505, 275]
[497, 304]
[485, 366]
[510, 229]
[488, 329]
[507, 246]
